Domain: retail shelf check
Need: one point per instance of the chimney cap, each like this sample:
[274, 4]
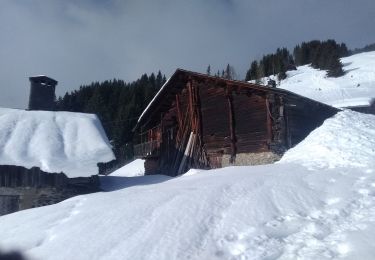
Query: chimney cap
[43, 79]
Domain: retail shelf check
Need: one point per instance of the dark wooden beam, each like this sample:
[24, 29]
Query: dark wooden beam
[232, 125]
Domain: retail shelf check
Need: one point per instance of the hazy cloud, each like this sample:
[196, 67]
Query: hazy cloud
[77, 42]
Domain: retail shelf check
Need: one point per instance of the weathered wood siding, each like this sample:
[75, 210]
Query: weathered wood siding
[250, 113]
[22, 188]
[16, 176]
[215, 122]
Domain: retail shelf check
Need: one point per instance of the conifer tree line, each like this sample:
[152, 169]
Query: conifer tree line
[118, 105]
[369, 47]
[324, 55]
[228, 73]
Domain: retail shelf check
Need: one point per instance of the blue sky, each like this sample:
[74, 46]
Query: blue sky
[77, 42]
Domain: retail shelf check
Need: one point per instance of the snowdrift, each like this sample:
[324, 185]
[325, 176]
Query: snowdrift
[346, 140]
[134, 168]
[279, 211]
[67, 142]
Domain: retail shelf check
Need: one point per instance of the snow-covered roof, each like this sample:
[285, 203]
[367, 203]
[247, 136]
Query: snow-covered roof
[72, 143]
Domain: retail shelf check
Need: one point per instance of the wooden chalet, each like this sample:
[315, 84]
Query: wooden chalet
[201, 121]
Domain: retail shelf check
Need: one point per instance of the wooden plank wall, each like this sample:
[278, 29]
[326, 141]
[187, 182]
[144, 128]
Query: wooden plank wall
[215, 122]
[221, 105]
[16, 176]
[251, 122]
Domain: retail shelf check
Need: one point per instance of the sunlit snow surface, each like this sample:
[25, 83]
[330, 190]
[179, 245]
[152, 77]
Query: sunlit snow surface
[326, 147]
[134, 168]
[318, 203]
[355, 88]
[67, 142]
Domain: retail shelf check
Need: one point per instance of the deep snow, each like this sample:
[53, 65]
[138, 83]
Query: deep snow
[305, 207]
[355, 88]
[67, 142]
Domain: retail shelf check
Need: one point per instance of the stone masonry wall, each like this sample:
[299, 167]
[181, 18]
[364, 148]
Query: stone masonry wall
[251, 159]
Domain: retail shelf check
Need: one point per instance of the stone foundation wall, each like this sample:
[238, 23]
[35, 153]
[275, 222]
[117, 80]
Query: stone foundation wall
[243, 159]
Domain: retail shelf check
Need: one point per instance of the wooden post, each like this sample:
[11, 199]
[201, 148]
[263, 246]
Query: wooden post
[186, 154]
[231, 126]
[179, 115]
[269, 121]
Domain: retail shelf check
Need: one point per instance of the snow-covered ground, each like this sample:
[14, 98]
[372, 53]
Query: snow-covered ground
[134, 168]
[317, 203]
[67, 142]
[355, 88]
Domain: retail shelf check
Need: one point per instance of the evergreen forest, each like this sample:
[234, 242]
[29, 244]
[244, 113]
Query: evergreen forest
[324, 55]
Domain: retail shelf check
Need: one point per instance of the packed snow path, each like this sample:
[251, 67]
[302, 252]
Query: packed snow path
[287, 210]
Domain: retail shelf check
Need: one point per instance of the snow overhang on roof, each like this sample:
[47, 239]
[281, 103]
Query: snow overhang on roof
[72, 143]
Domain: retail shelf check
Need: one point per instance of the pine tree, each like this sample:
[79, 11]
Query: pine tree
[335, 67]
[159, 80]
[252, 72]
[227, 73]
[259, 73]
[208, 71]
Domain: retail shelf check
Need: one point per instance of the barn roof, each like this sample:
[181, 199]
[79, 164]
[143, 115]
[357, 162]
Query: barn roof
[72, 143]
[180, 77]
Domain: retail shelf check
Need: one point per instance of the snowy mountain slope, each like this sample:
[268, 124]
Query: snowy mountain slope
[67, 142]
[279, 211]
[355, 88]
